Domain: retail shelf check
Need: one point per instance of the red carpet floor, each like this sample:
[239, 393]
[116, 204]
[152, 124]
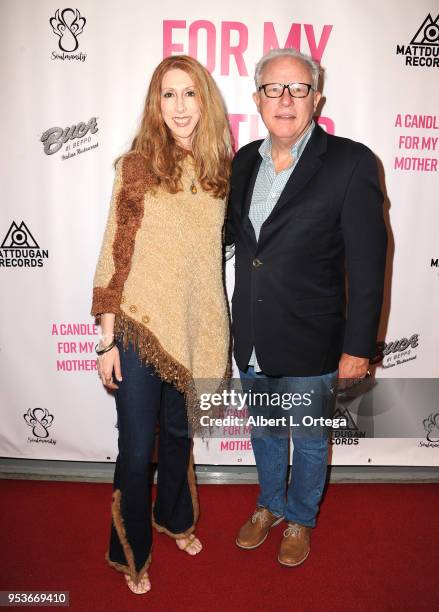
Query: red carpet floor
[376, 548]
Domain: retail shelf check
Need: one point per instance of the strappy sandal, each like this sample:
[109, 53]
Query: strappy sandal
[190, 543]
[133, 587]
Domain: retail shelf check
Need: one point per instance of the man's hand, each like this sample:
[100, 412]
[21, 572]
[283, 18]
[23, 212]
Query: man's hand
[352, 368]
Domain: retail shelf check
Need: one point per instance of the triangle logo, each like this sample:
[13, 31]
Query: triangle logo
[19, 237]
[340, 413]
[428, 33]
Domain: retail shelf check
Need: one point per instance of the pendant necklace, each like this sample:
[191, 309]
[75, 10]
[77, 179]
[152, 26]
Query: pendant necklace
[193, 187]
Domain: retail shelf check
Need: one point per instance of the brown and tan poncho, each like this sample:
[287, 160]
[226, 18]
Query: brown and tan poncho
[160, 272]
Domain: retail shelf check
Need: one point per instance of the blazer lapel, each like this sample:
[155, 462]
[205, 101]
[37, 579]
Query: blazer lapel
[250, 179]
[307, 166]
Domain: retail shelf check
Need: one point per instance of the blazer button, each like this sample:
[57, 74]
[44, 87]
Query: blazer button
[257, 263]
[133, 308]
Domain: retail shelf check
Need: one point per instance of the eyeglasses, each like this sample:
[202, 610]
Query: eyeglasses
[276, 90]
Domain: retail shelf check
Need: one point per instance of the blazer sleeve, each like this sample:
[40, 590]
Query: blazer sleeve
[365, 240]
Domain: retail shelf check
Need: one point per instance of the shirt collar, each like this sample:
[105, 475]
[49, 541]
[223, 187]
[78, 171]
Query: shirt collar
[296, 149]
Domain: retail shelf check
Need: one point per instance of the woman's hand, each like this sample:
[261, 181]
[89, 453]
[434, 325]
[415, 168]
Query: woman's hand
[107, 363]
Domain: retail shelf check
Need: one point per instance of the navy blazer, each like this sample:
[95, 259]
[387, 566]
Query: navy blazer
[290, 291]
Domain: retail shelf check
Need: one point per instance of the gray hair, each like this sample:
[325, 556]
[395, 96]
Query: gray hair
[313, 66]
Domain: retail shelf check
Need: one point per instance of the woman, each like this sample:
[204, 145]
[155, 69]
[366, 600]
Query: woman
[158, 291]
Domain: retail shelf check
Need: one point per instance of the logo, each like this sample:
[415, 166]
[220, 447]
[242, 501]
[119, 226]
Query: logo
[40, 420]
[428, 33]
[68, 24]
[19, 249]
[431, 428]
[423, 49]
[80, 136]
[348, 435]
[435, 264]
[396, 352]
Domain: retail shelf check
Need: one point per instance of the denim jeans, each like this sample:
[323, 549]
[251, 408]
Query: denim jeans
[142, 401]
[299, 501]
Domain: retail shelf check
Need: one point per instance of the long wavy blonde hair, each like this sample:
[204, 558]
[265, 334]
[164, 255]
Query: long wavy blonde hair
[211, 143]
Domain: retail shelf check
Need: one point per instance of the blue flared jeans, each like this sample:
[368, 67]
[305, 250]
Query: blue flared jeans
[144, 401]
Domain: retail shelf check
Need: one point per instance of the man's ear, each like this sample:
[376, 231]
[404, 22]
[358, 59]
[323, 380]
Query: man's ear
[257, 100]
[317, 97]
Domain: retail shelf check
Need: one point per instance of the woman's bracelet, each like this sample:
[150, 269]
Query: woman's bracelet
[106, 349]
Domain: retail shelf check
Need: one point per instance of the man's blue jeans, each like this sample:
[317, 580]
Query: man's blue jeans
[299, 502]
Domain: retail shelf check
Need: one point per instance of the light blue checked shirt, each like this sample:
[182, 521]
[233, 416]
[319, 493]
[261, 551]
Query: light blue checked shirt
[268, 188]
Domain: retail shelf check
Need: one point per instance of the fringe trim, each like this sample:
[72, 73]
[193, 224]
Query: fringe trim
[193, 486]
[150, 351]
[124, 569]
[195, 506]
[174, 536]
[119, 525]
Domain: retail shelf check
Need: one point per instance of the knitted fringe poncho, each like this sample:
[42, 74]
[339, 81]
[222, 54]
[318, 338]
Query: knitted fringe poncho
[160, 273]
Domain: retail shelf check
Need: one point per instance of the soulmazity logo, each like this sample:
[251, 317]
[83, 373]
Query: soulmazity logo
[431, 428]
[68, 24]
[39, 419]
[19, 249]
[80, 134]
[423, 49]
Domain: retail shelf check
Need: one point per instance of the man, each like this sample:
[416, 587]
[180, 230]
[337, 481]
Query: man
[305, 208]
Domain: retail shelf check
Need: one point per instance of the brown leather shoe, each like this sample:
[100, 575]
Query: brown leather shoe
[255, 531]
[295, 545]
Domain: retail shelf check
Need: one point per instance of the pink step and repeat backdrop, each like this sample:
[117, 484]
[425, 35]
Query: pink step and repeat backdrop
[74, 78]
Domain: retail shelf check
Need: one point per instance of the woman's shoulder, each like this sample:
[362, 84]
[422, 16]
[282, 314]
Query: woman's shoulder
[134, 166]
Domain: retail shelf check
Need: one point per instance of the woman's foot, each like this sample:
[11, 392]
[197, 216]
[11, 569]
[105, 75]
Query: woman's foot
[142, 587]
[191, 544]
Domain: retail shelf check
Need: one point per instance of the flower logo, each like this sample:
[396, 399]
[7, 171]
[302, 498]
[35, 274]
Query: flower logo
[431, 426]
[68, 26]
[40, 420]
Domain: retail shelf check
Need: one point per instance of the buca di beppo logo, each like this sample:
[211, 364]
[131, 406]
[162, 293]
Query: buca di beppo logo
[423, 49]
[39, 419]
[396, 352]
[80, 134]
[68, 24]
